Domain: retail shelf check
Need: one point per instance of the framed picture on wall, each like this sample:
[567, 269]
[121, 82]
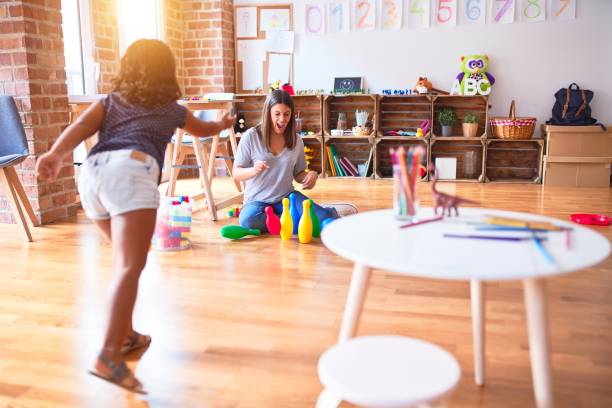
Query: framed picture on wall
[348, 84]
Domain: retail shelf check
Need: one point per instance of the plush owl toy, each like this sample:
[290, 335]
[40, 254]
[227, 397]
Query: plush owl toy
[475, 67]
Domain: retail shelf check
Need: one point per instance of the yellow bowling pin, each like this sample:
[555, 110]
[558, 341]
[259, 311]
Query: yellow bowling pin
[286, 231]
[305, 225]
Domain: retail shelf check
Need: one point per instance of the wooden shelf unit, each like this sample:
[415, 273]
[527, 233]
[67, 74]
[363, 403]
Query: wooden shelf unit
[310, 108]
[382, 160]
[358, 149]
[406, 112]
[457, 147]
[513, 161]
[494, 160]
[462, 105]
[335, 104]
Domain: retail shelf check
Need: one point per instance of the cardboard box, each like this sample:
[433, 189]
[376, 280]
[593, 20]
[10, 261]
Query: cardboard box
[577, 171]
[578, 141]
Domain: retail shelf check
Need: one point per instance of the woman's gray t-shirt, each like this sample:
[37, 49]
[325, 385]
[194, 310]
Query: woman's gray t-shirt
[271, 185]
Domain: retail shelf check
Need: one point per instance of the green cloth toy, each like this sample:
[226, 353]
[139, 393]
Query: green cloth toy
[475, 67]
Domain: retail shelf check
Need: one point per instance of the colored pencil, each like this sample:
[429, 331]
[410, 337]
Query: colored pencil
[491, 237]
[412, 224]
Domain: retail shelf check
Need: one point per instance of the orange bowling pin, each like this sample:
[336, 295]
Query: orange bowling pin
[305, 226]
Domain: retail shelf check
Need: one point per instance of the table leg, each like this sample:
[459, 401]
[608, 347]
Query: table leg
[354, 301]
[477, 293]
[539, 347]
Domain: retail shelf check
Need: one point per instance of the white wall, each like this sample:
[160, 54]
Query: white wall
[530, 61]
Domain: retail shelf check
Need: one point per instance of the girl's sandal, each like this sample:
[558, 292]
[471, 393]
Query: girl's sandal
[119, 374]
[135, 341]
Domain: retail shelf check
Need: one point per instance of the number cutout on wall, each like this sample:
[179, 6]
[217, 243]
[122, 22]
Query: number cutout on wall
[418, 14]
[314, 18]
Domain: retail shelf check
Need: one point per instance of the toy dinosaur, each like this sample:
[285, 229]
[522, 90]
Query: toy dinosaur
[445, 201]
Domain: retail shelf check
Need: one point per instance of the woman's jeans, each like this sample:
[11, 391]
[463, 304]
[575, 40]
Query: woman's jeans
[252, 215]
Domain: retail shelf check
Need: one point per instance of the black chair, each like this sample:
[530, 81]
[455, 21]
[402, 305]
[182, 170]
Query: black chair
[14, 150]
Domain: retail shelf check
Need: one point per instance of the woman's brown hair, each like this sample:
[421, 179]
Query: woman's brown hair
[147, 75]
[278, 96]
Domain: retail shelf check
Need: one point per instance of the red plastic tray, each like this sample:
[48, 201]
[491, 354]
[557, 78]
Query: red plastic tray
[591, 219]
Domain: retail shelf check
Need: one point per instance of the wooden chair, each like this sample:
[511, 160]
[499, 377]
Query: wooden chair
[14, 150]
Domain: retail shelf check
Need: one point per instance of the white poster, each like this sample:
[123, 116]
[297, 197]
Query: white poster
[365, 15]
[314, 18]
[252, 54]
[246, 22]
[273, 19]
[446, 13]
[563, 9]
[533, 11]
[279, 41]
[502, 11]
[279, 68]
[473, 12]
[392, 11]
[338, 16]
[418, 14]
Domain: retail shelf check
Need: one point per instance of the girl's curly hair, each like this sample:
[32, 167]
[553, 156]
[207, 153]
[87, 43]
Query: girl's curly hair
[147, 76]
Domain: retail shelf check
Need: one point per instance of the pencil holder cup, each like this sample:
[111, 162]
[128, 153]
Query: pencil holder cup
[173, 225]
[405, 195]
[298, 124]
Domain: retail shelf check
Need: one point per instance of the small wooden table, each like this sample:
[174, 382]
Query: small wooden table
[373, 239]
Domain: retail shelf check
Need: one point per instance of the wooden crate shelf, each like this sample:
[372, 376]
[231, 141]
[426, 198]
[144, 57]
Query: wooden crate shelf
[310, 108]
[462, 105]
[251, 108]
[318, 161]
[402, 113]
[514, 161]
[457, 148]
[358, 149]
[335, 104]
[382, 160]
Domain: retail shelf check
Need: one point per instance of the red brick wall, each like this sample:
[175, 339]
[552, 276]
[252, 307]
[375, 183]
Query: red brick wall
[106, 41]
[208, 46]
[174, 35]
[32, 71]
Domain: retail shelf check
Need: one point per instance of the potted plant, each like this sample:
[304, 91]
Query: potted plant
[447, 119]
[470, 125]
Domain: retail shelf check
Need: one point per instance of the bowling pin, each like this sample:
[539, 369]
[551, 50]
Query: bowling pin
[305, 227]
[272, 221]
[295, 212]
[286, 231]
[316, 226]
[237, 232]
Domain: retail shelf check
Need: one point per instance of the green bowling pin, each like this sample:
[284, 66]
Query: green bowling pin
[316, 227]
[237, 232]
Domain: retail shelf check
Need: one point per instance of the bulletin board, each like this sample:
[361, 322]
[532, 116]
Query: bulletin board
[263, 43]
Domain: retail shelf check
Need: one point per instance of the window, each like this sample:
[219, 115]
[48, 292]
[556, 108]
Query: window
[80, 69]
[139, 19]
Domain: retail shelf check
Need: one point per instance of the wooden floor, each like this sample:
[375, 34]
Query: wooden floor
[242, 324]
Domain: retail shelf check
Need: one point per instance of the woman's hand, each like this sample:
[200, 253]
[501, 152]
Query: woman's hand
[48, 166]
[259, 167]
[310, 180]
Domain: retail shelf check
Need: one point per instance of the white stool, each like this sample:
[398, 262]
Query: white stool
[386, 371]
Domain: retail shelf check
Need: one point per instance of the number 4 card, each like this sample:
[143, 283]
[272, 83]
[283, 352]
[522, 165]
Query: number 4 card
[418, 14]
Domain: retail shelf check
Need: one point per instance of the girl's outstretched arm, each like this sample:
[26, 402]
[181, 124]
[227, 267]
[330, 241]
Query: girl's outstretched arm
[198, 127]
[49, 164]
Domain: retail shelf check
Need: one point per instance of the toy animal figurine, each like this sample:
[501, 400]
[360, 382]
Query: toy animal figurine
[475, 67]
[240, 125]
[422, 86]
[445, 201]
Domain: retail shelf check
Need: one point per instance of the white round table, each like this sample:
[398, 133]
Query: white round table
[375, 240]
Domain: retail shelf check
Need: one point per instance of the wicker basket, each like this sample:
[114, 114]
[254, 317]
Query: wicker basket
[513, 127]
